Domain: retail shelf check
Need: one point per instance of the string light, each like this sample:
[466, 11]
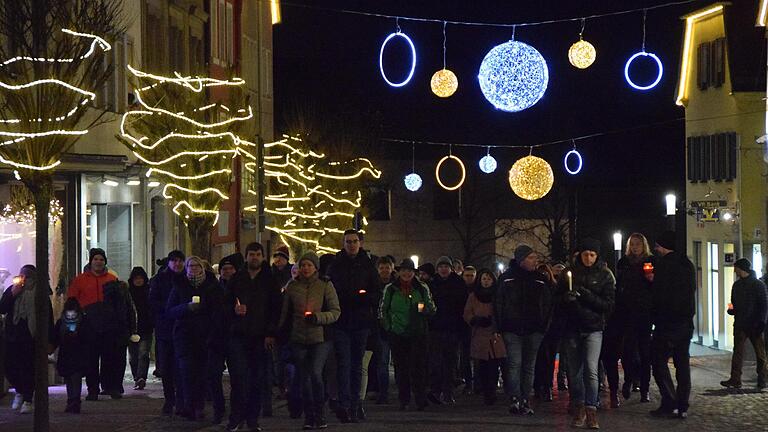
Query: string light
[20, 208]
[413, 181]
[444, 82]
[531, 178]
[488, 164]
[461, 167]
[582, 53]
[643, 53]
[407, 39]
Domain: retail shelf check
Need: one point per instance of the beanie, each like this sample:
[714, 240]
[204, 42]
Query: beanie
[590, 244]
[666, 240]
[96, 251]
[176, 255]
[310, 256]
[444, 260]
[283, 252]
[744, 264]
[427, 268]
[522, 251]
[235, 260]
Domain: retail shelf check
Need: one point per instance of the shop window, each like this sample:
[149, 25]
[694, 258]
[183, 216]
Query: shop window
[110, 228]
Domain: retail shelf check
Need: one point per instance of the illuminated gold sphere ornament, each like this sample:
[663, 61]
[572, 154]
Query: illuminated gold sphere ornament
[461, 167]
[582, 54]
[444, 83]
[531, 178]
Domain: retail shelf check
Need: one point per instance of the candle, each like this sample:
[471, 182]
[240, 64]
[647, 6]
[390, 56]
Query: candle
[570, 280]
[307, 313]
[420, 307]
[16, 280]
[647, 268]
[195, 299]
[730, 306]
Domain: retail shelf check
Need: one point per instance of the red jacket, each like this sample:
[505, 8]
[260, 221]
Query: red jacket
[87, 287]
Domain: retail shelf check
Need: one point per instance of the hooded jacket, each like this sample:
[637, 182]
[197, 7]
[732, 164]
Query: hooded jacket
[674, 292]
[750, 304]
[70, 337]
[191, 327]
[262, 298]
[309, 295]
[523, 302]
[399, 311]
[350, 276]
[595, 289]
[145, 322]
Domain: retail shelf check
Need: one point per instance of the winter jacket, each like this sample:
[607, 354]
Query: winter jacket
[309, 295]
[486, 343]
[73, 347]
[523, 302]
[399, 311]
[18, 333]
[750, 304]
[595, 290]
[350, 276]
[282, 276]
[114, 314]
[262, 299]
[145, 322]
[87, 287]
[450, 296]
[191, 325]
[674, 292]
[160, 287]
[633, 292]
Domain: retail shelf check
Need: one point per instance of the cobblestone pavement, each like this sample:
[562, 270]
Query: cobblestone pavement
[712, 409]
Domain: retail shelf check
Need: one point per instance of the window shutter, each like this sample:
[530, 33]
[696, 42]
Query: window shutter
[703, 69]
[718, 62]
[732, 143]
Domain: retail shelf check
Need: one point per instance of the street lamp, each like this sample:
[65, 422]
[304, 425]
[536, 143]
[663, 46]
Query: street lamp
[617, 247]
[671, 204]
[415, 259]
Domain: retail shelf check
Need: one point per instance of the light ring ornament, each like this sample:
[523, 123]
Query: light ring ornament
[531, 178]
[463, 173]
[578, 157]
[444, 83]
[513, 76]
[582, 54]
[488, 164]
[658, 64]
[412, 182]
[413, 58]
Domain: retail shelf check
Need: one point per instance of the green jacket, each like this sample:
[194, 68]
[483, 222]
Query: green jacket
[309, 295]
[399, 312]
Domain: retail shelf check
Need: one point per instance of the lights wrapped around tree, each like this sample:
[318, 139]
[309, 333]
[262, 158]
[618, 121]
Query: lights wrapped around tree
[413, 182]
[461, 167]
[582, 54]
[531, 178]
[513, 76]
[444, 83]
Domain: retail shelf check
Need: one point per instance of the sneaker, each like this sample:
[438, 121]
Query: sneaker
[116, 395]
[140, 384]
[730, 384]
[234, 427]
[448, 399]
[514, 406]
[645, 397]
[254, 426]
[26, 408]
[17, 401]
[662, 412]
[434, 398]
[682, 415]
[525, 408]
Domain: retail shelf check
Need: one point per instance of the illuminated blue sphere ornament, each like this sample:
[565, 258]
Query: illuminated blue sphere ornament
[579, 162]
[513, 76]
[658, 65]
[413, 59]
[413, 182]
[488, 164]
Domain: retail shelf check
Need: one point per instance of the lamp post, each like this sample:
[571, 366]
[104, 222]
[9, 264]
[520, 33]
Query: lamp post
[415, 259]
[616, 248]
[671, 200]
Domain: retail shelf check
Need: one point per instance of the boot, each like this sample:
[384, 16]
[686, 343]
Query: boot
[615, 402]
[644, 397]
[579, 415]
[731, 383]
[309, 419]
[592, 418]
[626, 390]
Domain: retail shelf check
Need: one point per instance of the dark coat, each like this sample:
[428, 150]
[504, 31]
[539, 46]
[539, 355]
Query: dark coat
[750, 304]
[282, 276]
[523, 302]
[595, 290]
[263, 301]
[349, 276]
[191, 328]
[633, 292]
[674, 292]
[450, 296]
[73, 348]
[159, 289]
[145, 322]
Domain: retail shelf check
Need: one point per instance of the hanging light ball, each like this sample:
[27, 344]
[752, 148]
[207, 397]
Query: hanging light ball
[582, 54]
[487, 164]
[531, 178]
[513, 76]
[444, 83]
[413, 182]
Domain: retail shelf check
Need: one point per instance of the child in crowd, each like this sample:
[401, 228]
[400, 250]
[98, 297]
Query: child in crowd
[68, 337]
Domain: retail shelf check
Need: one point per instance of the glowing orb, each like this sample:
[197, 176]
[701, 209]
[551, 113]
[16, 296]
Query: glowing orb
[413, 182]
[582, 54]
[444, 83]
[513, 76]
[461, 166]
[658, 65]
[531, 178]
[579, 162]
[413, 59]
[487, 164]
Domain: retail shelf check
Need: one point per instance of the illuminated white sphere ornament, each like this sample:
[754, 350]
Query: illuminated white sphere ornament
[513, 76]
[658, 65]
[444, 83]
[582, 54]
[488, 164]
[413, 182]
[531, 178]
[413, 59]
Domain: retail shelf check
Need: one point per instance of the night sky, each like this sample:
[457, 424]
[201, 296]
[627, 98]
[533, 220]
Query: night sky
[331, 59]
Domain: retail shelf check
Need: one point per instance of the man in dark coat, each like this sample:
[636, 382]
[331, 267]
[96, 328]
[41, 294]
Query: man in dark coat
[446, 327]
[281, 265]
[673, 308]
[750, 313]
[354, 276]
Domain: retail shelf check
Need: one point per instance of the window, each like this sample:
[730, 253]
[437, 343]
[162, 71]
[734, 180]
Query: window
[176, 49]
[710, 70]
[214, 21]
[196, 61]
[221, 30]
[115, 92]
[379, 203]
[712, 157]
[230, 33]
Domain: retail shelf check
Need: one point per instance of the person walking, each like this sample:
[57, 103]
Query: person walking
[69, 337]
[545, 359]
[523, 309]
[310, 306]
[138, 352]
[673, 307]
[487, 345]
[589, 295]
[750, 313]
[466, 365]
[281, 265]
[382, 354]
[404, 313]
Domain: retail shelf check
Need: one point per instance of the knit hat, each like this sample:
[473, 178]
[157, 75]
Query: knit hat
[522, 251]
[427, 268]
[96, 251]
[283, 252]
[311, 256]
[744, 264]
[589, 244]
[407, 264]
[176, 255]
[666, 240]
[235, 260]
[444, 260]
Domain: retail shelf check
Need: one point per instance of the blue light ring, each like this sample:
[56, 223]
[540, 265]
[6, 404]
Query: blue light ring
[629, 63]
[413, 58]
[578, 157]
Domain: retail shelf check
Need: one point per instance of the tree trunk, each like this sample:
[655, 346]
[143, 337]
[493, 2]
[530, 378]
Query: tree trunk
[42, 190]
[199, 229]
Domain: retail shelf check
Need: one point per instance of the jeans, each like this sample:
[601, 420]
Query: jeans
[410, 357]
[290, 380]
[246, 371]
[214, 371]
[350, 348]
[443, 359]
[138, 357]
[675, 343]
[364, 377]
[310, 360]
[169, 371]
[521, 358]
[583, 350]
[740, 338]
[74, 388]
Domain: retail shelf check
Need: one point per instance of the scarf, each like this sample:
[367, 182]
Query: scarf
[196, 281]
[484, 295]
[24, 306]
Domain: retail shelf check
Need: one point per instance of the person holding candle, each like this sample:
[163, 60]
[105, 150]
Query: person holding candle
[404, 313]
[588, 297]
[310, 306]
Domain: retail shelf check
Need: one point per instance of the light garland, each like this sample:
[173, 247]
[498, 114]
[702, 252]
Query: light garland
[21, 208]
[488, 163]
[513, 76]
[444, 82]
[413, 182]
[531, 178]
[461, 167]
[404, 36]
[582, 53]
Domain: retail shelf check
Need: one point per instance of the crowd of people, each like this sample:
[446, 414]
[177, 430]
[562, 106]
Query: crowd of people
[325, 330]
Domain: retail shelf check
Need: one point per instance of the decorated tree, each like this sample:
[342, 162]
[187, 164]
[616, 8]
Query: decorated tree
[51, 62]
[188, 144]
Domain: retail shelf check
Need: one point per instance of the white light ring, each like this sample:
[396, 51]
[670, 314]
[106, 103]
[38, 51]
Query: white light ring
[629, 63]
[463, 173]
[578, 157]
[413, 59]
